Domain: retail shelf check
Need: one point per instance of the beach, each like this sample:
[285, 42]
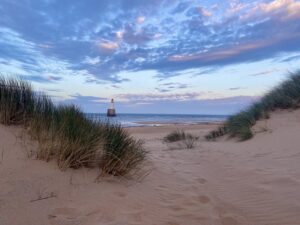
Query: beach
[225, 182]
[138, 112]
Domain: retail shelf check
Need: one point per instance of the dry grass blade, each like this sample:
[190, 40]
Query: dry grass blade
[51, 195]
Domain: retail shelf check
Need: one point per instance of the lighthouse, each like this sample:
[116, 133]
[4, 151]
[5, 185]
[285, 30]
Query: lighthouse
[111, 110]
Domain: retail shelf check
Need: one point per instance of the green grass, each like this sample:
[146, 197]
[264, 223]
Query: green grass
[121, 151]
[284, 96]
[174, 136]
[186, 139]
[16, 101]
[66, 135]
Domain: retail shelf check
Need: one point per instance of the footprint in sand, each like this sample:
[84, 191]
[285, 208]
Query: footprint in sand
[106, 218]
[228, 221]
[120, 194]
[65, 216]
[136, 217]
[176, 208]
[201, 180]
[172, 223]
[69, 212]
[203, 199]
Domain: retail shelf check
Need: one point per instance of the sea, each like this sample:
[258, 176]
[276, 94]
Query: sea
[139, 120]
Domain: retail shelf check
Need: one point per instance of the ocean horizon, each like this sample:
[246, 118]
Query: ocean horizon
[150, 119]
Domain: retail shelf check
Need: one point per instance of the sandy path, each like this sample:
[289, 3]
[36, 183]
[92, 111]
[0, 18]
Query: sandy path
[218, 183]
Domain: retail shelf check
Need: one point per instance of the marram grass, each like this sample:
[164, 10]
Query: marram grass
[284, 96]
[16, 101]
[66, 135]
[186, 140]
[120, 151]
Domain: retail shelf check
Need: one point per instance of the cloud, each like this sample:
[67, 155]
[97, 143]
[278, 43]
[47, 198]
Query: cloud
[292, 58]
[162, 90]
[87, 103]
[54, 78]
[108, 46]
[219, 54]
[92, 61]
[266, 72]
[235, 7]
[289, 7]
[87, 98]
[140, 19]
[52, 90]
[171, 86]
[280, 10]
[158, 97]
[40, 79]
[234, 88]
[25, 58]
[204, 12]
[120, 34]
[99, 39]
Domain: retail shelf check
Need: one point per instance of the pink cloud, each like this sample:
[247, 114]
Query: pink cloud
[108, 45]
[290, 8]
[233, 51]
[217, 55]
[204, 12]
[140, 19]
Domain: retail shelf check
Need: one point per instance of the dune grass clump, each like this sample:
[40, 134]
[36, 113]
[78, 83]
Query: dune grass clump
[182, 138]
[70, 138]
[65, 134]
[284, 96]
[16, 101]
[120, 151]
[176, 135]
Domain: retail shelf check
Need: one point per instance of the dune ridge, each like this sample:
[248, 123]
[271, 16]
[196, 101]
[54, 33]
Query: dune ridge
[286, 95]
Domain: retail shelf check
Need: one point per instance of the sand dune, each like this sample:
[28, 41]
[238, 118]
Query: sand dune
[256, 182]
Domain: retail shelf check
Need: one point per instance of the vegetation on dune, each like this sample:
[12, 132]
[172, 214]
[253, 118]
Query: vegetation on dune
[16, 101]
[188, 140]
[284, 96]
[176, 135]
[66, 135]
[120, 151]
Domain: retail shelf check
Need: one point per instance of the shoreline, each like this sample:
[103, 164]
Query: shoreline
[152, 120]
[168, 124]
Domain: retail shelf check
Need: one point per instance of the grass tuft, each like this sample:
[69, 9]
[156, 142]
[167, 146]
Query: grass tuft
[284, 96]
[182, 138]
[176, 135]
[16, 101]
[121, 153]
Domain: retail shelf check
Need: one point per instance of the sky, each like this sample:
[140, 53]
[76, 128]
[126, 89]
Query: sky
[158, 56]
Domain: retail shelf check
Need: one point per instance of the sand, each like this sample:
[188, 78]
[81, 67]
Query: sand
[256, 182]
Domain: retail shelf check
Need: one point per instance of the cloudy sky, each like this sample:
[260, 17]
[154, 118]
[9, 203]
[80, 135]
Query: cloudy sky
[158, 56]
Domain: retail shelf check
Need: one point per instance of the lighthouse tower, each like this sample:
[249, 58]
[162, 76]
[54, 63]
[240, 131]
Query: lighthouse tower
[111, 110]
